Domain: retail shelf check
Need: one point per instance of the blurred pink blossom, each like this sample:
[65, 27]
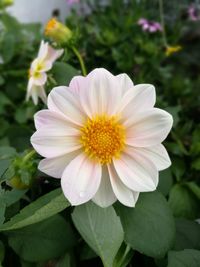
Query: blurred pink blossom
[71, 2]
[150, 26]
[193, 13]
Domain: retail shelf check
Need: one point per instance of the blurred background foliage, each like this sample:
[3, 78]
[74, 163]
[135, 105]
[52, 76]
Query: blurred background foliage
[107, 36]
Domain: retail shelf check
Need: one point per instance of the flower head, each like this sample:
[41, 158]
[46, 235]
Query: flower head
[102, 136]
[37, 72]
[58, 32]
[71, 2]
[193, 13]
[150, 26]
[172, 49]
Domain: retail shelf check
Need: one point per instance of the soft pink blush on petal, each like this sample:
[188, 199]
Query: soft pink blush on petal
[137, 173]
[148, 128]
[104, 196]
[78, 83]
[53, 54]
[102, 96]
[55, 166]
[51, 144]
[126, 196]
[157, 154]
[142, 97]
[81, 180]
[63, 100]
[55, 122]
[125, 83]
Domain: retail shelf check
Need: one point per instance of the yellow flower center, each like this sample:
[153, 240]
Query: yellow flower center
[51, 24]
[103, 138]
[35, 73]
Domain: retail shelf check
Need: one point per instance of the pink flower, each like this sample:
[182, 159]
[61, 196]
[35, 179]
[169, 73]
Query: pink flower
[150, 26]
[193, 14]
[102, 136]
[71, 2]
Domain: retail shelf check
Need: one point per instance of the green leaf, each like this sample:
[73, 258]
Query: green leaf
[185, 258]
[2, 212]
[194, 188]
[66, 261]
[42, 241]
[183, 202]
[187, 235]
[165, 181]
[2, 252]
[7, 152]
[101, 229]
[63, 73]
[4, 164]
[41, 209]
[9, 197]
[149, 227]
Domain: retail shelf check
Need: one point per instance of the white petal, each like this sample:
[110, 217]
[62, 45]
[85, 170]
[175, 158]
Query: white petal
[53, 54]
[157, 154]
[138, 99]
[52, 144]
[78, 83]
[55, 166]
[81, 180]
[102, 93]
[122, 192]
[54, 123]
[125, 82]
[136, 172]
[42, 95]
[63, 100]
[41, 79]
[148, 128]
[104, 196]
[43, 50]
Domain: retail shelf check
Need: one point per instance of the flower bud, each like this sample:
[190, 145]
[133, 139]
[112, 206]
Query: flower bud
[58, 32]
[5, 3]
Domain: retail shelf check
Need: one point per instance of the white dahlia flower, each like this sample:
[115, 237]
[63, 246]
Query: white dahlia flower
[102, 136]
[37, 73]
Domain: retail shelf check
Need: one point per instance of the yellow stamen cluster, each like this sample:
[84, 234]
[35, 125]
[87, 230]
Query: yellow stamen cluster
[51, 24]
[103, 138]
[35, 73]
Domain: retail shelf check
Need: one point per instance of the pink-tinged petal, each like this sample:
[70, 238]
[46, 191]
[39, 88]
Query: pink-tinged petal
[136, 172]
[41, 79]
[53, 54]
[78, 83]
[54, 123]
[104, 196]
[102, 94]
[63, 100]
[148, 128]
[157, 154]
[142, 21]
[125, 83]
[55, 166]
[122, 192]
[81, 180]
[141, 97]
[51, 144]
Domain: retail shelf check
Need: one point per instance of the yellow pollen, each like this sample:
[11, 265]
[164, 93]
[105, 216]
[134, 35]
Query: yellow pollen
[50, 25]
[103, 138]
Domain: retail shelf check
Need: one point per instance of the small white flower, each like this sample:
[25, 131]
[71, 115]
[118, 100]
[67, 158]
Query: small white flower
[102, 136]
[37, 73]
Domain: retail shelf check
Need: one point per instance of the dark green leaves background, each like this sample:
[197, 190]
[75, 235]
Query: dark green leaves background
[38, 227]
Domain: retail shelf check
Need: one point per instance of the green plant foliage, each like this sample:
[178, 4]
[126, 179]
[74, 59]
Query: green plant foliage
[38, 227]
[101, 229]
[42, 241]
[153, 207]
[43, 208]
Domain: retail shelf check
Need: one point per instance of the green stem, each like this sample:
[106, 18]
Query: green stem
[29, 155]
[80, 58]
[163, 23]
